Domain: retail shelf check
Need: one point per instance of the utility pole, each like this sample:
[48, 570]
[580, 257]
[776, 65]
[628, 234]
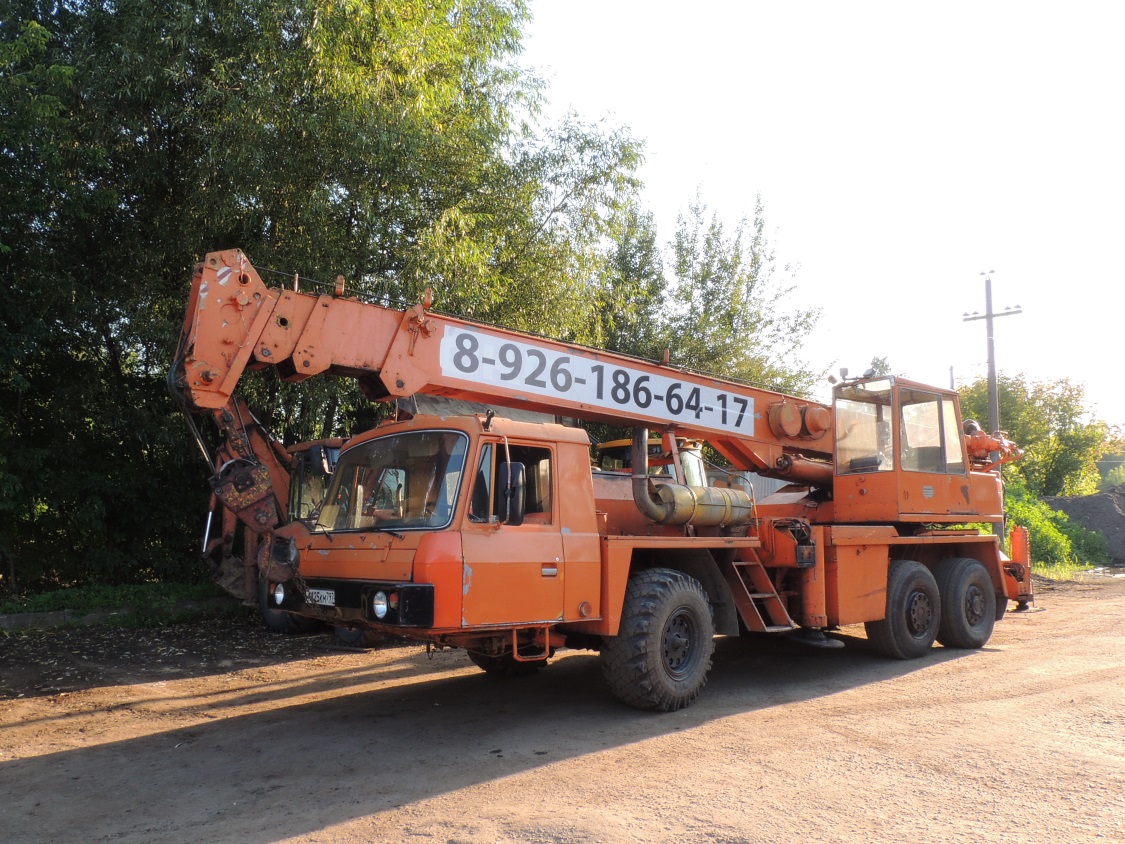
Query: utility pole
[989, 316]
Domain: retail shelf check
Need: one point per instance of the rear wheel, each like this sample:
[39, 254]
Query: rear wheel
[661, 655]
[913, 612]
[968, 603]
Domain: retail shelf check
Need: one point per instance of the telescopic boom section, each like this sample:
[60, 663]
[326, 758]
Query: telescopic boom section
[235, 322]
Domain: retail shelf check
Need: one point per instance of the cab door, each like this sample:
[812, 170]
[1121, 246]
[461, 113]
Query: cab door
[513, 574]
[934, 478]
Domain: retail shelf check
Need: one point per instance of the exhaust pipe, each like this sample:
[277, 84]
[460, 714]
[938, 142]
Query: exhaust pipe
[678, 504]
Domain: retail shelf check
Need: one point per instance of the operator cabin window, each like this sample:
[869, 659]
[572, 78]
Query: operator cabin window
[930, 439]
[863, 428]
[486, 503]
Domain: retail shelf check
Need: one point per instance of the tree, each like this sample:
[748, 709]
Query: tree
[1050, 422]
[879, 366]
[383, 140]
[522, 249]
[728, 298]
[632, 289]
[318, 136]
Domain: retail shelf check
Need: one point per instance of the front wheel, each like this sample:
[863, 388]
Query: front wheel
[913, 613]
[661, 655]
[968, 603]
[505, 665]
[352, 637]
[280, 621]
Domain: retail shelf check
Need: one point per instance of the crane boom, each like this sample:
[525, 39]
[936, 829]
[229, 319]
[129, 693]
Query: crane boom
[236, 322]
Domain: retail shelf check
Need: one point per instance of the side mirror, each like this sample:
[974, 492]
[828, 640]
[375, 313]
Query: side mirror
[318, 461]
[511, 498]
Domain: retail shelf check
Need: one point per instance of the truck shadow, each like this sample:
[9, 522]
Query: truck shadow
[307, 765]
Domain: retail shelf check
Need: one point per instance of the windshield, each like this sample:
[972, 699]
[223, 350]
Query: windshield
[396, 482]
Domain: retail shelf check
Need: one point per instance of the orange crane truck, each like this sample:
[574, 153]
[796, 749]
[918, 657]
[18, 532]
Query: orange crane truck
[498, 536]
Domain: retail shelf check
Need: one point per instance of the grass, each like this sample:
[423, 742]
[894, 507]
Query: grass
[1061, 571]
[146, 605]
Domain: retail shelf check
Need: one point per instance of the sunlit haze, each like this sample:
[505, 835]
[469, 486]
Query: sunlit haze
[900, 150]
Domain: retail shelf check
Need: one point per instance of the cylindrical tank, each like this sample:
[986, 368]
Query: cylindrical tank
[704, 506]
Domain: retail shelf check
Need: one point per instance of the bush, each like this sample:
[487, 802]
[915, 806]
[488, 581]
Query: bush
[1055, 539]
[1115, 477]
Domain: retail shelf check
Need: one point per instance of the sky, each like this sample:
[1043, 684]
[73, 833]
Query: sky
[900, 150]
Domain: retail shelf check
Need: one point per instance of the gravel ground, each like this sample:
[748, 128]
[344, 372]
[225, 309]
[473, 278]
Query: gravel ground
[219, 731]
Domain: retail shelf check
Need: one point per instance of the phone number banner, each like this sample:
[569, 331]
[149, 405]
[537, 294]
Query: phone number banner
[482, 358]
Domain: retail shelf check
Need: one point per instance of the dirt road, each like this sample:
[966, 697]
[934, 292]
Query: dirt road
[221, 733]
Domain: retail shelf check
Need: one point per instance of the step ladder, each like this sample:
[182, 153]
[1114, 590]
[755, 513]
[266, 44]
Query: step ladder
[758, 603]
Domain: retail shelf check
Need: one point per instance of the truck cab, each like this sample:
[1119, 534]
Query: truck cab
[447, 525]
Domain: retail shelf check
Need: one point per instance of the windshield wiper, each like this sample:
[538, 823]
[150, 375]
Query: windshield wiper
[393, 533]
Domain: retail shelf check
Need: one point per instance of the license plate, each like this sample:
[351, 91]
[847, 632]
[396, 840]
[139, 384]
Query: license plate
[323, 597]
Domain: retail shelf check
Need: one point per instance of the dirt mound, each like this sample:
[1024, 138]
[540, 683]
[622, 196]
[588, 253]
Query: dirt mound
[1103, 512]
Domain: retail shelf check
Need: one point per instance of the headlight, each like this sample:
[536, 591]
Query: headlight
[279, 594]
[379, 604]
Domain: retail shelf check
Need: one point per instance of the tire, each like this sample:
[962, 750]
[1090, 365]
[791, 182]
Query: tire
[661, 655]
[358, 638]
[504, 665]
[968, 603]
[1001, 607]
[280, 621]
[913, 612]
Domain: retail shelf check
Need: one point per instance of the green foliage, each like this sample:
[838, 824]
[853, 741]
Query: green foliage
[1063, 447]
[1055, 539]
[631, 290]
[519, 251]
[135, 606]
[1113, 477]
[1050, 422]
[87, 598]
[880, 366]
[723, 310]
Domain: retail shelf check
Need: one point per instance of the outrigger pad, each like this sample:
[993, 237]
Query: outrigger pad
[814, 639]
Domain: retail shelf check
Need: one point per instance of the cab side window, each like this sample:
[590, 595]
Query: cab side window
[537, 469]
[929, 434]
[486, 499]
